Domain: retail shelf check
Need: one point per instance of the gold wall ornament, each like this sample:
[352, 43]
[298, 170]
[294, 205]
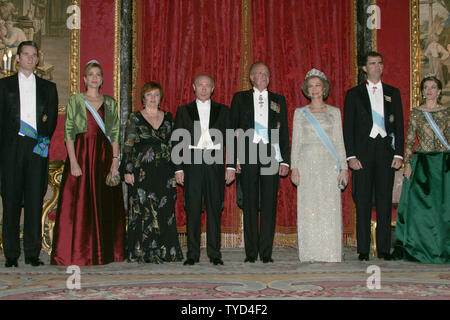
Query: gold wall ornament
[136, 32]
[246, 44]
[56, 166]
[55, 171]
[354, 43]
[117, 53]
[75, 56]
[415, 53]
[374, 32]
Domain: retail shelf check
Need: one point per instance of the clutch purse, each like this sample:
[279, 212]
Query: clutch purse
[111, 180]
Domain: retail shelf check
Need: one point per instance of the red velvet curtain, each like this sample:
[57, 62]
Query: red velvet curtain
[394, 44]
[181, 39]
[292, 37]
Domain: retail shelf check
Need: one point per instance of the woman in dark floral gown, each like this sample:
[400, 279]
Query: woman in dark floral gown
[147, 169]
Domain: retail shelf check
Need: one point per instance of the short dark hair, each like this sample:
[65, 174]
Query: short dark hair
[204, 75]
[433, 78]
[27, 43]
[365, 58]
[149, 86]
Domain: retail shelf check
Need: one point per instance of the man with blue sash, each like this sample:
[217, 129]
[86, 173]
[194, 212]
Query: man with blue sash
[28, 115]
[373, 136]
[265, 113]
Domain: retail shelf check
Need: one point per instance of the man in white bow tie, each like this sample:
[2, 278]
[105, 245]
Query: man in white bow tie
[373, 136]
[204, 183]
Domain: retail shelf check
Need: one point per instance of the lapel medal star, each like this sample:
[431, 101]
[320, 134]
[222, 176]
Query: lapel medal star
[387, 98]
[44, 118]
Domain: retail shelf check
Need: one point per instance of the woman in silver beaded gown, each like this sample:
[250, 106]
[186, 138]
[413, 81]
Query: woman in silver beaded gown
[317, 172]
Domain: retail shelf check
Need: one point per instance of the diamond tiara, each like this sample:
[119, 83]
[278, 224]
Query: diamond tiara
[316, 73]
[431, 75]
[93, 61]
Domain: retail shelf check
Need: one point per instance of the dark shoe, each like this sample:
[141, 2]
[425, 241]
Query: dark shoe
[11, 263]
[397, 255]
[190, 262]
[35, 262]
[251, 260]
[385, 256]
[267, 260]
[216, 261]
[363, 257]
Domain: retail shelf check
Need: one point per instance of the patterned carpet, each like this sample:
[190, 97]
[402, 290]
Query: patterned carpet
[286, 278]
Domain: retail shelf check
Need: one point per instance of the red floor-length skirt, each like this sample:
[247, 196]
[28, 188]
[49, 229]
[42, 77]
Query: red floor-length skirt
[90, 219]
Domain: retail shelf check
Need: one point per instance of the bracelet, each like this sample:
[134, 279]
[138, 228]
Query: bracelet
[116, 157]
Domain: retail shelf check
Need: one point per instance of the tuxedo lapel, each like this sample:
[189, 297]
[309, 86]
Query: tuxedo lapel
[387, 96]
[249, 102]
[40, 101]
[272, 113]
[213, 114]
[365, 98]
[193, 111]
[14, 96]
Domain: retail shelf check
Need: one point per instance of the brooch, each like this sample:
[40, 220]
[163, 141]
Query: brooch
[108, 104]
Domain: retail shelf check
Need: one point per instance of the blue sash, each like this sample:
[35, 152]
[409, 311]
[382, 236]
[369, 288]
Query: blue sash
[262, 132]
[322, 135]
[378, 119]
[436, 129]
[43, 142]
[96, 116]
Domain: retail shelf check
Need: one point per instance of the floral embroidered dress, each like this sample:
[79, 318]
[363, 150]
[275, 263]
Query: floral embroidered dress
[422, 233]
[152, 229]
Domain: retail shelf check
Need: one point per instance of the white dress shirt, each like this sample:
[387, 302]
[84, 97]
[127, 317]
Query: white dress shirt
[27, 89]
[377, 104]
[204, 109]
[376, 98]
[261, 113]
[205, 141]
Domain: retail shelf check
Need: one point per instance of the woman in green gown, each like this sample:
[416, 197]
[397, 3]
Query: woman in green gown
[423, 218]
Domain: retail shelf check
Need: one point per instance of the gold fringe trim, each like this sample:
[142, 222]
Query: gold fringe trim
[415, 53]
[246, 43]
[374, 33]
[117, 16]
[354, 44]
[137, 46]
